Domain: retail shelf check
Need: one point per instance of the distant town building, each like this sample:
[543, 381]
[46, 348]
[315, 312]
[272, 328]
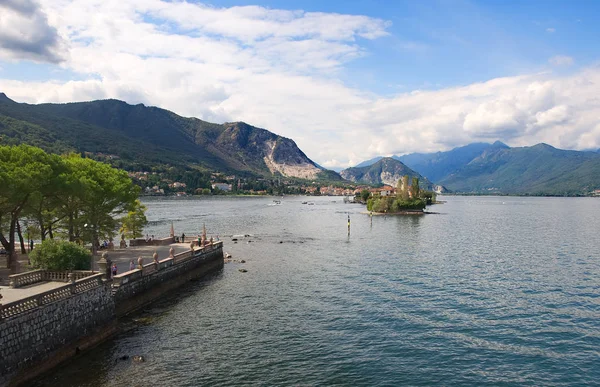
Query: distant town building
[386, 190]
[154, 191]
[222, 186]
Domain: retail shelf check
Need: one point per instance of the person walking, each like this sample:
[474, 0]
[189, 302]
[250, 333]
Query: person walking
[182, 238]
[114, 269]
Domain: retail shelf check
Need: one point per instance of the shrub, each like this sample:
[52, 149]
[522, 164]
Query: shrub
[60, 255]
[393, 204]
[370, 204]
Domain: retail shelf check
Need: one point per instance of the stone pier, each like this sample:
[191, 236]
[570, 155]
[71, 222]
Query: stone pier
[59, 315]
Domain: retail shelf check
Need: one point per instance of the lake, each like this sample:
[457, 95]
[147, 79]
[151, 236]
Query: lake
[489, 291]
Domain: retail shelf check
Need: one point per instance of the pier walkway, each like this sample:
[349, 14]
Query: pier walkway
[121, 257]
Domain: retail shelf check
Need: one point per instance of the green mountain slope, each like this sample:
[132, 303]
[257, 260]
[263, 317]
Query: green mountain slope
[536, 170]
[150, 135]
[385, 171]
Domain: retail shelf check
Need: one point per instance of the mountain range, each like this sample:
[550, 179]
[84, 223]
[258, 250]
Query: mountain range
[142, 136]
[499, 169]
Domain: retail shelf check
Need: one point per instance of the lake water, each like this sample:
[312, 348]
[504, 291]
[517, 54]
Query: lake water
[490, 291]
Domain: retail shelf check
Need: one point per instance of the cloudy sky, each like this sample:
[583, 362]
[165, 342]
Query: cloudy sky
[347, 80]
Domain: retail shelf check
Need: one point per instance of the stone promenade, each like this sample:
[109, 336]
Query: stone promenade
[121, 257]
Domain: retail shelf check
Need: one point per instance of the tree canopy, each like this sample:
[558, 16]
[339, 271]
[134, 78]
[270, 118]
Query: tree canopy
[78, 199]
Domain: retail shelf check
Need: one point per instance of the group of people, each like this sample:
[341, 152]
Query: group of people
[149, 238]
[114, 270]
[105, 245]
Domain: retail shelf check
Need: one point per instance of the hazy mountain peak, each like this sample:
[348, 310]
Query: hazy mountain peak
[543, 145]
[387, 170]
[4, 98]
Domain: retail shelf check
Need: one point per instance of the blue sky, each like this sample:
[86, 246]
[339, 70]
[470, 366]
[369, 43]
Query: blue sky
[347, 80]
[433, 44]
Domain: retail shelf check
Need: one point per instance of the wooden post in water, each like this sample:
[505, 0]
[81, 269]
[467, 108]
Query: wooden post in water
[348, 224]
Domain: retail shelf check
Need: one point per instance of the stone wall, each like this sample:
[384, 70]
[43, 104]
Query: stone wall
[39, 332]
[33, 337]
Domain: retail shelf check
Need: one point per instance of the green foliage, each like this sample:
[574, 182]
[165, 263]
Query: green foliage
[78, 198]
[404, 195]
[102, 193]
[134, 222]
[24, 171]
[60, 255]
[391, 204]
[415, 190]
[429, 197]
[365, 194]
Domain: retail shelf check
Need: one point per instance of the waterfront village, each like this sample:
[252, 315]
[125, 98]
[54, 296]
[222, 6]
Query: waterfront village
[153, 184]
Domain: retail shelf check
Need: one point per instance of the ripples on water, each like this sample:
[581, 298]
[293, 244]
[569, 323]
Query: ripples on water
[492, 291]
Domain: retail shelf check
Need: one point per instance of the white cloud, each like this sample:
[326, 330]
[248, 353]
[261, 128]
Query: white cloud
[561, 60]
[279, 70]
[550, 30]
[26, 34]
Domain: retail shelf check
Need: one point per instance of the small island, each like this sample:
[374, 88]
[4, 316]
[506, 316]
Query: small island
[405, 199]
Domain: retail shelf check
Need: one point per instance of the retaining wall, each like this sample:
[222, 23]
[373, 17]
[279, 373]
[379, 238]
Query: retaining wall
[50, 321]
[41, 331]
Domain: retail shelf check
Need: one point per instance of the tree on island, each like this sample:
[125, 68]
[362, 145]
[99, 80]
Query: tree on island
[364, 195]
[414, 188]
[408, 198]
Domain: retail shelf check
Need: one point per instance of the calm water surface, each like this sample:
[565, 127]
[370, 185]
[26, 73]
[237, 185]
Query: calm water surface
[491, 291]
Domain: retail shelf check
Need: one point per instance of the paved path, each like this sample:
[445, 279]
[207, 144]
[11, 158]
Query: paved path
[10, 295]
